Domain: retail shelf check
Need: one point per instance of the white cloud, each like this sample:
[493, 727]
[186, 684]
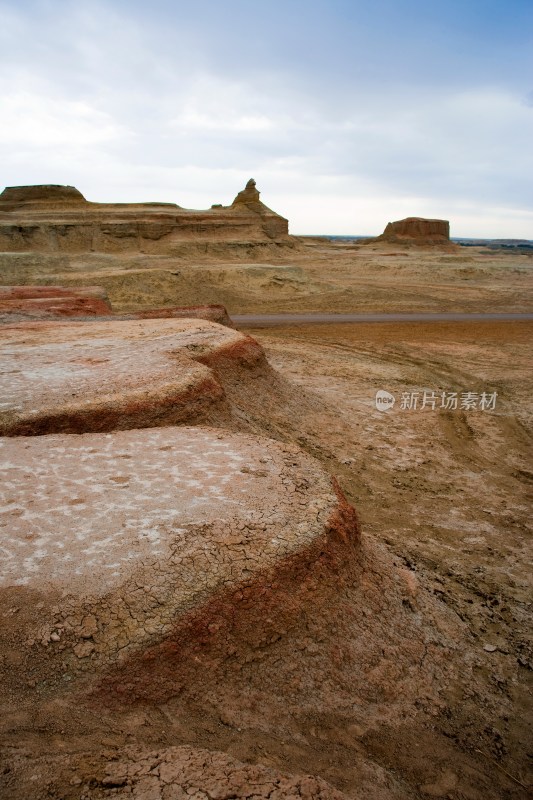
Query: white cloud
[106, 102]
[42, 122]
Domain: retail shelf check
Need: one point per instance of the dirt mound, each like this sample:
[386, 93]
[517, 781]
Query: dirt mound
[416, 231]
[214, 312]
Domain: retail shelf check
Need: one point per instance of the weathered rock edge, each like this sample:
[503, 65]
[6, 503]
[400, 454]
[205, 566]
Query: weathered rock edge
[26, 303]
[236, 623]
[226, 585]
[177, 374]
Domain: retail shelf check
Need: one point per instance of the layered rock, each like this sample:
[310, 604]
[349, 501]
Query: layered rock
[52, 302]
[59, 219]
[21, 303]
[83, 376]
[152, 531]
[416, 231]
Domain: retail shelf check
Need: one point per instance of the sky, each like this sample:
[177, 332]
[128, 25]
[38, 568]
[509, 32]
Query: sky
[348, 114]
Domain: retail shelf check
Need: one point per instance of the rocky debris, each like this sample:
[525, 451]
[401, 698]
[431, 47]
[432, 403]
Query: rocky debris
[172, 773]
[59, 219]
[20, 303]
[98, 376]
[154, 529]
[416, 231]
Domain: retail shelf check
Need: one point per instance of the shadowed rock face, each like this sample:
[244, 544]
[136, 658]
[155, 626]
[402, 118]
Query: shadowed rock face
[416, 231]
[59, 219]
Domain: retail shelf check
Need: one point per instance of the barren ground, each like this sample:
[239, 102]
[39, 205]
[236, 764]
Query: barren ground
[442, 495]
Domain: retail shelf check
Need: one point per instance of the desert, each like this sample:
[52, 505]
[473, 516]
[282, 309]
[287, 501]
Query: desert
[226, 573]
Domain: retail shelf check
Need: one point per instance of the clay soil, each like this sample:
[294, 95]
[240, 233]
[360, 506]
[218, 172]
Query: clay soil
[443, 495]
[449, 492]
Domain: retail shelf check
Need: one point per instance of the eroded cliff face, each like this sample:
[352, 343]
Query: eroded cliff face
[59, 219]
[417, 231]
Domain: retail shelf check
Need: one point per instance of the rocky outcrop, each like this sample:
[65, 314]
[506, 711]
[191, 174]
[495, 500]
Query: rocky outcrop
[99, 376]
[416, 231]
[21, 303]
[18, 303]
[50, 194]
[188, 517]
[248, 195]
[59, 219]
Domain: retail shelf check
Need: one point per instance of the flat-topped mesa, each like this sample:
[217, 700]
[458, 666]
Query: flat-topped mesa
[44, 193]
[59, 218]
[416, 231]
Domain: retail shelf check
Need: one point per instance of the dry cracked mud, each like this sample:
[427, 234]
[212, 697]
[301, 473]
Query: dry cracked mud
[394, 663]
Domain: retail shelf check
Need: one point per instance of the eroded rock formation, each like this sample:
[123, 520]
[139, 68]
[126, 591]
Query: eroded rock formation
[18, 303]
[22, 303]
[98, 376]
[59, 219]
[186, 516]
[186, 569]
[416, 231]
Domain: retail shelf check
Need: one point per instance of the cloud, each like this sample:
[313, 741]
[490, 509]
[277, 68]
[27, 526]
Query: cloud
[131, 105]
[42, 122]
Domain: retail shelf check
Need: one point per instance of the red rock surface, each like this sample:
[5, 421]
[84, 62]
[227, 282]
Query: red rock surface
[83, 376]
[52, 302]
[19, 303]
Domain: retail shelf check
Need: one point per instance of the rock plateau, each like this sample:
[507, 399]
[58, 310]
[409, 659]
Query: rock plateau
[416, 231]
[59, 219]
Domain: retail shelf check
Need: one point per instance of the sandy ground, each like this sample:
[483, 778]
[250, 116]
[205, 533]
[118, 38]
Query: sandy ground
[449, 491]
[313, 277]
[443, 491]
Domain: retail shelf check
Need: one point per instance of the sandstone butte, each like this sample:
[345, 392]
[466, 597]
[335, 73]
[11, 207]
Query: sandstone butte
[416, 231]
[58, 219]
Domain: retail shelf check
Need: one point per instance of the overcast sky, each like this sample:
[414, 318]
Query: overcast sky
[348, 113]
